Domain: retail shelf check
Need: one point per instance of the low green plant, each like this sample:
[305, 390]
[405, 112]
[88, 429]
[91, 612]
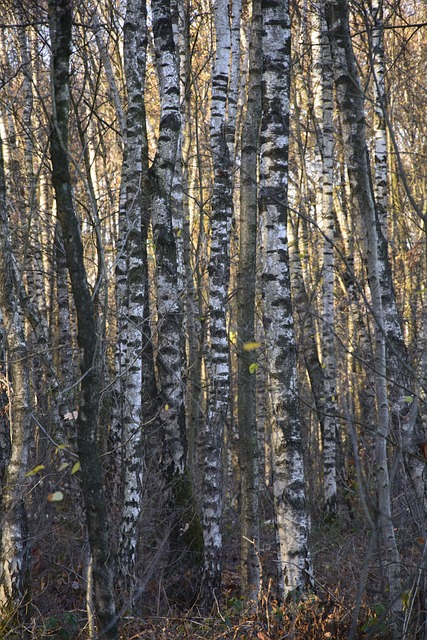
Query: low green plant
[61, 627]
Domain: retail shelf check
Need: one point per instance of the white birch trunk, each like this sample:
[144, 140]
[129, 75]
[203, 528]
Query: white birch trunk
[234, 73]
[169, 304]
[380, 165]
[327, 224]
[288, 465]
[33, 261]
[179, 506]
[135, 167]
[404, 412]
[13, 538]
[218, 355]
[66, 369]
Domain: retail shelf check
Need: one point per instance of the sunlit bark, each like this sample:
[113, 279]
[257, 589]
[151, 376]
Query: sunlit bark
[218, 356]
[350, 101]
[246, 283]
[292, 520]
[327, 225]
[134, 210]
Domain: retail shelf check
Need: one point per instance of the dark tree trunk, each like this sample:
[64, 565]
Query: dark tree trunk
[60, 16]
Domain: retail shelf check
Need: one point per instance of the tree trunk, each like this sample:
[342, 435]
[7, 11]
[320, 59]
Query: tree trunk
[185, 543]
[246, 358]
[136, 337]
[330, 433]
[13, 589]
[219, 272]
[288, 465]
[350, 101]
[60, 22]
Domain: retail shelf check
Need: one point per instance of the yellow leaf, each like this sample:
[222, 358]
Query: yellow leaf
[250, 346]
[166, 407]
[253, 367]
[55, 497]
[76, 467]
[232, 336]
[34, 471]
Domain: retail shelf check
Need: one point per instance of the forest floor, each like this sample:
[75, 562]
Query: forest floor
[349, 601]
[350, 593]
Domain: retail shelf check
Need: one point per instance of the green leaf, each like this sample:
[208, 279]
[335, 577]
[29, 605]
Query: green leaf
[76, 467]
[33, 472]
[57, 496]
[253, 367]
[408, 398]
[406, 598]
[379, 609]
[63, 466]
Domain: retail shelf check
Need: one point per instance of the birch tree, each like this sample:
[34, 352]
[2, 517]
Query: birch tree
[169, 305]
[13, 541]
[327, 224]
[404, 412]
[288, 465]
[350, 99]
[136, 330]
[179, 502]
[218, 356]
[397, 357]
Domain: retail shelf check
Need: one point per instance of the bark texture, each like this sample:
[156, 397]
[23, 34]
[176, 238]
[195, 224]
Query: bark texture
[350, 101]
[133, 306]
[219, 268]
[327, 225]
[13, 542]
[288, 464]
[60, 22]
[246, 283]
[184, 541]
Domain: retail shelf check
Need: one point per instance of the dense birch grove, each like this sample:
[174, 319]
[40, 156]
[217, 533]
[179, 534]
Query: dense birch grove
[213, 319]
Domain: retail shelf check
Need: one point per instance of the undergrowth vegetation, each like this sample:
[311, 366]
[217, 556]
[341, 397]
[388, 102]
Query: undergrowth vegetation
[348, 602]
